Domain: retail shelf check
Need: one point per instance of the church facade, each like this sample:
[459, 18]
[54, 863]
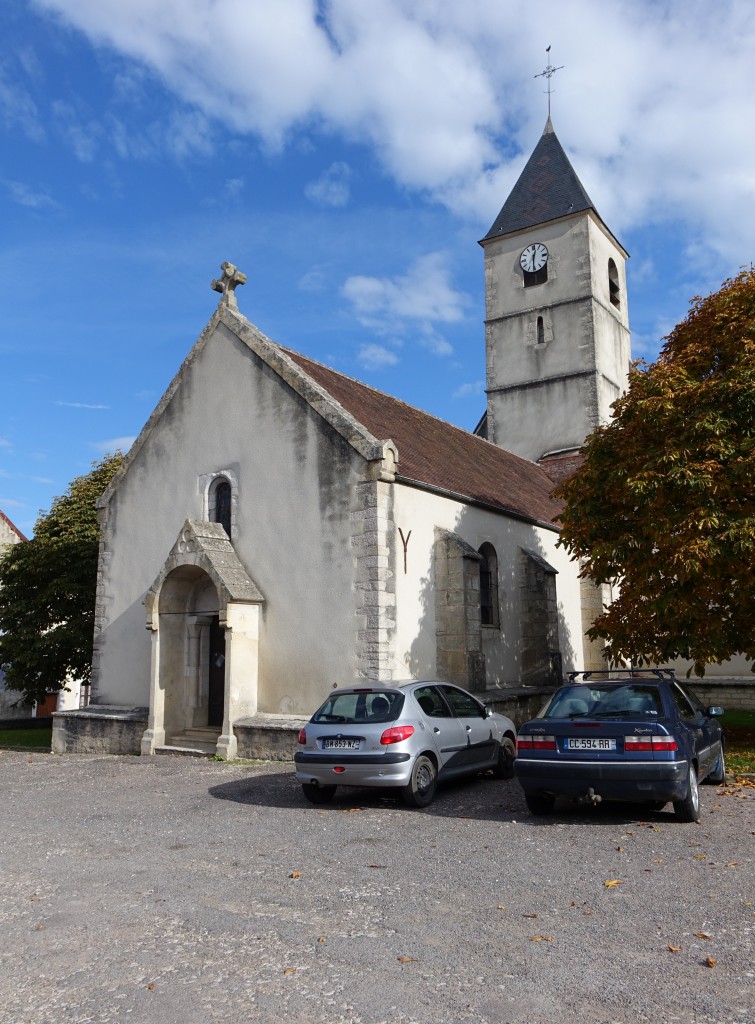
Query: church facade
[279, 528]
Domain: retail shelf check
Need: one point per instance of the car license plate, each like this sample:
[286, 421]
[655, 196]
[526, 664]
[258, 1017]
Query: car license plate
[340, 744]
[589, 743]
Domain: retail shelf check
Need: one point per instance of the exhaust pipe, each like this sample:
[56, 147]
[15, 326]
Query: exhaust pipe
[590, 797]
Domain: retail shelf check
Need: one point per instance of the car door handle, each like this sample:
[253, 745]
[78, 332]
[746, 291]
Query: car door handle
[436, 729]
[468, 728]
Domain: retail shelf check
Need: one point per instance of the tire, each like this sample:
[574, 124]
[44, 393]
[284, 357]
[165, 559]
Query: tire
[504, 769]
[688, 809]
[318, 794]
[421, 787]
[539, 803]
[718, 772]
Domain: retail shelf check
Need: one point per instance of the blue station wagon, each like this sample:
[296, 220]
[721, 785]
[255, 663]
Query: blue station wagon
[637, 736]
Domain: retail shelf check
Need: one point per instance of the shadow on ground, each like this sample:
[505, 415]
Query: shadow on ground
[484, 799]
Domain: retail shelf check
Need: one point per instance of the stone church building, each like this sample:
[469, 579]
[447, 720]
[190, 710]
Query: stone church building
[278, 527]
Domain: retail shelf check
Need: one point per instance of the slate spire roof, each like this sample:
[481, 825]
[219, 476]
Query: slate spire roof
[547, 188]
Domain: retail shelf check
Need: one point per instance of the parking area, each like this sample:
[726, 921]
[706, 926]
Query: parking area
[178, 889]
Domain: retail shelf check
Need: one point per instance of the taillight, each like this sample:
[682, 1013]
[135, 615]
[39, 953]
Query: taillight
[634, 744]
[536, 743]
[397, 734]
[302, 736]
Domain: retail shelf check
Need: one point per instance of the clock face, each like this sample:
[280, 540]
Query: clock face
[534, 257]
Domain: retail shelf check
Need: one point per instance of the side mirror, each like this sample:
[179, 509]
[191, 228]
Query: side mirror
[715, 711]
[488, 712]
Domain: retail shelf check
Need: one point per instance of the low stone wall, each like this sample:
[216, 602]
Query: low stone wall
[518, 704]
[268, 737]
[731, 694]
[99, 729]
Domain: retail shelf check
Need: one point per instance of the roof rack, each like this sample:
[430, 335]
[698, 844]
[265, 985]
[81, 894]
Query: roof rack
[624, 673]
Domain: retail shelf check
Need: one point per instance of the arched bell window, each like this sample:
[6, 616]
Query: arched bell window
[614, 291]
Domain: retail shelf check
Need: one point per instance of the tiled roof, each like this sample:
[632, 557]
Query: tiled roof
[547, 188]
[439, 455]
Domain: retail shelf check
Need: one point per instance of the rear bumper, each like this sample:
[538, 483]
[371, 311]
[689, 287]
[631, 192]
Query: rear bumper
[390, 769]
[636, 780]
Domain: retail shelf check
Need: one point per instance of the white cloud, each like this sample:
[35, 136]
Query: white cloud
[471, 390]
[376, 357]
[17, 108]
[654, 102]
[332, 187]
[80, 405]
[11, 503]
[114, 443]
[25, 195]
[434, 342]
[81, 135]
[423, 293]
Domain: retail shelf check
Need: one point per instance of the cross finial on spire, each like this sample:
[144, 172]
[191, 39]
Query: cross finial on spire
[226, 284]
[549, 73]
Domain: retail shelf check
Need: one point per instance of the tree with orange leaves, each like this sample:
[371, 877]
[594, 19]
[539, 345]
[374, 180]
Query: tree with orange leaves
[664, 503]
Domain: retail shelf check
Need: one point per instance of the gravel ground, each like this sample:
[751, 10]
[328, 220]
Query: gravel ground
[176, 889]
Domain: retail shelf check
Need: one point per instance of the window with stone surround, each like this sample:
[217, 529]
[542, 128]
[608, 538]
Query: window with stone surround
[489, 614]
[221, 503]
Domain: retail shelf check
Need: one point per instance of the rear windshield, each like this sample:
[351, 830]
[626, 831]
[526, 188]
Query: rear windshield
[344, 708]
[604, 700]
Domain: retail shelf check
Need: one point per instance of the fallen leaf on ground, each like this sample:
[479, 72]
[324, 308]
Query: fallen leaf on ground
[702, 935]
[620, 849]
[674, 949]
[295, 874]
[151, 986]
[500, 907]
[732, 864]
[407, 959]
[529, 915]
[612, 883]
[289, 970]
[350, 810]
[710, 961]
[699, 856]
[39, 928]
[322, 938]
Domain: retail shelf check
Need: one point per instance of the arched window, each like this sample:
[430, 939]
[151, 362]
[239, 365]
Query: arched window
[614, 292]
[540, 331]
[488, 586]
[220, 503]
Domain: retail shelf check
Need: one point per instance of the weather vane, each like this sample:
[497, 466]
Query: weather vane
[549, 73]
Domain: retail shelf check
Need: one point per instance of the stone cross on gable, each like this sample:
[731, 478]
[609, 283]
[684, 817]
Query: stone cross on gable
[227, 283]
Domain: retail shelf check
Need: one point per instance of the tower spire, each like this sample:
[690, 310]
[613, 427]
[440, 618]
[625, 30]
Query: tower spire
[549, 72]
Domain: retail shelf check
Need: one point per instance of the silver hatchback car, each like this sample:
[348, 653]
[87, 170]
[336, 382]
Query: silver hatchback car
[405, 735]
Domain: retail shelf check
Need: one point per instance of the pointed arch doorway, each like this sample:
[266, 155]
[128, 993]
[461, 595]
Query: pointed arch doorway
[203, 614]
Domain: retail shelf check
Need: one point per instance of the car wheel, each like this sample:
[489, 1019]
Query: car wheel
[539, 803]
[421, 788]
[504, 769]
[688, 809]
[718, 773]
[318, 794]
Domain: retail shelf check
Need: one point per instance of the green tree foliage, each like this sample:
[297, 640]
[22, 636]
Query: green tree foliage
[47, 591]
[664, 504]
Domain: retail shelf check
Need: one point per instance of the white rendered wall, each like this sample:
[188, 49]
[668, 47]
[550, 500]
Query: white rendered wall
[292, 532]
[421, 511]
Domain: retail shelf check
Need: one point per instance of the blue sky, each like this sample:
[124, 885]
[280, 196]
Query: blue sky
[347, 156]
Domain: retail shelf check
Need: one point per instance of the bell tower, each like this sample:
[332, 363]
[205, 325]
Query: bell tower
[556, 327]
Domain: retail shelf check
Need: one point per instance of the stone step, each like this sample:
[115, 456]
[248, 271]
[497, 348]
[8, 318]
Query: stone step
[195, 750]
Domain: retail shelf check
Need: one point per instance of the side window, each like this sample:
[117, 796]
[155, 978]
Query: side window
[463, 705]
[540, 331]
[683, 704]
[489, 615]
[614, 292]
[431, 702]
[692, 697]
[220, 504]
